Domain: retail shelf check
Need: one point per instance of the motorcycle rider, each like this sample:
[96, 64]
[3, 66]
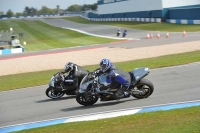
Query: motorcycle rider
[118, 32]
[115, 74]
[75, 73]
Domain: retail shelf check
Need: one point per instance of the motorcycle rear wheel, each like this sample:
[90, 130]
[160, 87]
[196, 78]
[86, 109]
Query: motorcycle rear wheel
[51, 93]
[81, 99]
[144, 85]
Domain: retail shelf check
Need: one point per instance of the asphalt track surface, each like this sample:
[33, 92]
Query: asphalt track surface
[172, 84]
[107, 30]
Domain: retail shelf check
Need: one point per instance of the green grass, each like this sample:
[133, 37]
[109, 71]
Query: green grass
[174, 121]
[185, 120]
[23, 80]
[41, 36]
[142, 25]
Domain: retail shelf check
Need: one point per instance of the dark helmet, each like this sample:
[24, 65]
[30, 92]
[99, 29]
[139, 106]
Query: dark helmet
[105, 64]
[69, 66]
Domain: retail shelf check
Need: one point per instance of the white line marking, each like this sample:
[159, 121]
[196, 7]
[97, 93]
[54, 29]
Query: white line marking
[112, 111]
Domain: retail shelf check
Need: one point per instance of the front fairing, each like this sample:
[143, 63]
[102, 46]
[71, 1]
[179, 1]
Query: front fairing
[51, 82]
[55, 79]
[85, 83]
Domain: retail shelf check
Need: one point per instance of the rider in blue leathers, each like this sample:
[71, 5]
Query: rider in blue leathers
[115, 74]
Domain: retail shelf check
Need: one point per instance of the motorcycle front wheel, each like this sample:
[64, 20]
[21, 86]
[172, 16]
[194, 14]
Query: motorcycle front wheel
[51, 93]
[84, 100]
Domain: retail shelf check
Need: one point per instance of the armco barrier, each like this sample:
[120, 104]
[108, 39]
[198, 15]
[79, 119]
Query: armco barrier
[183, 21]
[38, 16]
[12, 51]
[154, 20]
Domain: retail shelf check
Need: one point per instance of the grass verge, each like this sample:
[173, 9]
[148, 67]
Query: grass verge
[23, 80]
[41, 36]
[185, 120]
[142, 25]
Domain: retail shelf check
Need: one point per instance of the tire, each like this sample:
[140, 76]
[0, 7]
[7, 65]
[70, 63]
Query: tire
[144, 84]
[53, 94]
[80, 98]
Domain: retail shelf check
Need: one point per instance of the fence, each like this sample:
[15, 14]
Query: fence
[39, 16]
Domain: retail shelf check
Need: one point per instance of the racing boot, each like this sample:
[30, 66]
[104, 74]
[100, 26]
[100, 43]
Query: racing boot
[126, 94]
[120, 93]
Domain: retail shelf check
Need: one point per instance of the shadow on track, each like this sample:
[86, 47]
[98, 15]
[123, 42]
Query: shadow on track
[102, 104]
[59, 99]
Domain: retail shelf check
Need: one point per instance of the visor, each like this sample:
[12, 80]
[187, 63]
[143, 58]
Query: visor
[68, 69]
[103, 67]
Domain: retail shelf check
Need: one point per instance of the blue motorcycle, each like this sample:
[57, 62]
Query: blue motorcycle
[94, 86]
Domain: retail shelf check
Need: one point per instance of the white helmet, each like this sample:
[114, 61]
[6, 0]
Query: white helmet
[69, 66]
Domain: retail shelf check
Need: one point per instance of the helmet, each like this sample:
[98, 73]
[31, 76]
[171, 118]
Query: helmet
[105, 64]
[69, 66]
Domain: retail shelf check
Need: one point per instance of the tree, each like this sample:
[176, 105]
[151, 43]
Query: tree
[1, 13]
[27, 11]
[46, 10]
[33, 11]
[10, 13]
[74, 8]
[19, 14]
[89, 7]
[93, 6]
[30, 11]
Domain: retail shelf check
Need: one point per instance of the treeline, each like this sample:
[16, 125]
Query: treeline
[29, 11]
[85, 7]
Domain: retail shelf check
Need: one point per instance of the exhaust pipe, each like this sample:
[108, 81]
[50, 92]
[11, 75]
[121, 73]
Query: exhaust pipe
[138, 92]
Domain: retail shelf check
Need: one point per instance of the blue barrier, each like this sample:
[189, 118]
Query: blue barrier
[6, 51]
[183, 21]
[12, 51]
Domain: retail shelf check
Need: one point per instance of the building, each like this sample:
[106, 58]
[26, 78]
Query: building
[165, 9]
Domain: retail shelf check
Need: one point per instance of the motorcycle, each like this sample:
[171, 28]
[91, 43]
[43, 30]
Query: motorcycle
[124, 33]
[118, 33]
[93, 87]
[60, 85]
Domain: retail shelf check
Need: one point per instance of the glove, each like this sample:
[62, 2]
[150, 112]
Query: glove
[97, 72]
[95, 86]
[91, 75]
